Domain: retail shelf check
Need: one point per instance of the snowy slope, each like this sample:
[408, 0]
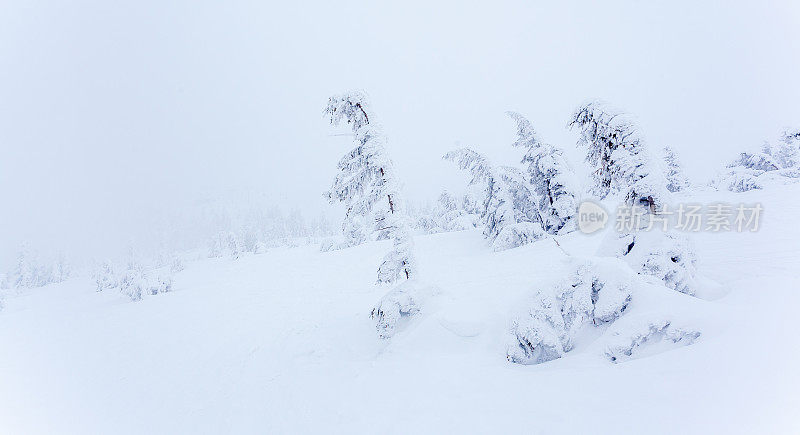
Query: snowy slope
[281, 342]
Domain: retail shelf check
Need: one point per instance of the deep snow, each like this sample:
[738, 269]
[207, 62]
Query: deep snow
[282, 342]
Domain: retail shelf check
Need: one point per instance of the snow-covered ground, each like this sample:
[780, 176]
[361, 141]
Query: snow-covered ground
[282, 342]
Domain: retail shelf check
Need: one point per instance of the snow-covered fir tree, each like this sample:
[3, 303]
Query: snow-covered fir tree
[787, 153]
[233, 245]
[295, 224]
[104, 276]
[552, 179]
[132, 283]
[676, 179]
[29, 271]
[367, 182]
[24, 274]
[176, 264]
[249, 239]
[509, 213]
[320, 226]
[216, 245]
[619, 156]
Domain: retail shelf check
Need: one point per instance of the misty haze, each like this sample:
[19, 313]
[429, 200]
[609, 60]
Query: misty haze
[414, 217]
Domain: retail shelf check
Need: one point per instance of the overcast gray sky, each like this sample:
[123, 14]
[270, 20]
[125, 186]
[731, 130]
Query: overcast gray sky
[111, 111]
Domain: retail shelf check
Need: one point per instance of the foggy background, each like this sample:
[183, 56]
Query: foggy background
[116, 115]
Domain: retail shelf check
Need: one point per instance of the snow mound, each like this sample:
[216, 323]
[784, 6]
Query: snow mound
[653, 338]
[596, 292]
[668, 257]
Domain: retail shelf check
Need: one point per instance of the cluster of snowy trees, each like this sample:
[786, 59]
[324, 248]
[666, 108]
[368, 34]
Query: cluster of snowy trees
[771, 164]
[594, 293]
[255, 230]
[598, 291]
[135, 279]
[31, 271]
[508, 214]
[450, 213]
[516, 207]
[220, 230]
[520, 207]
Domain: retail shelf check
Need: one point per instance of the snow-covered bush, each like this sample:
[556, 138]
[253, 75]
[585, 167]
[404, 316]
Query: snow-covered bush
[667, 256]
[620, 157]
[399, 304]
[769, 165]
[739, 180]
[133, 284]
[673, 172]
[509, 207]
[162, 283]
[517, 234]
[595, 292]
[662, 333]
[744, 172]
[136, 282]
[176, 265]
[104, 276]
[552, 179]
[367, 184]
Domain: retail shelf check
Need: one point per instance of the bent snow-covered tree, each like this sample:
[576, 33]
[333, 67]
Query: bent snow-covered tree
[551, 177]
[509, 213]
[619, 154]
[367, 184]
